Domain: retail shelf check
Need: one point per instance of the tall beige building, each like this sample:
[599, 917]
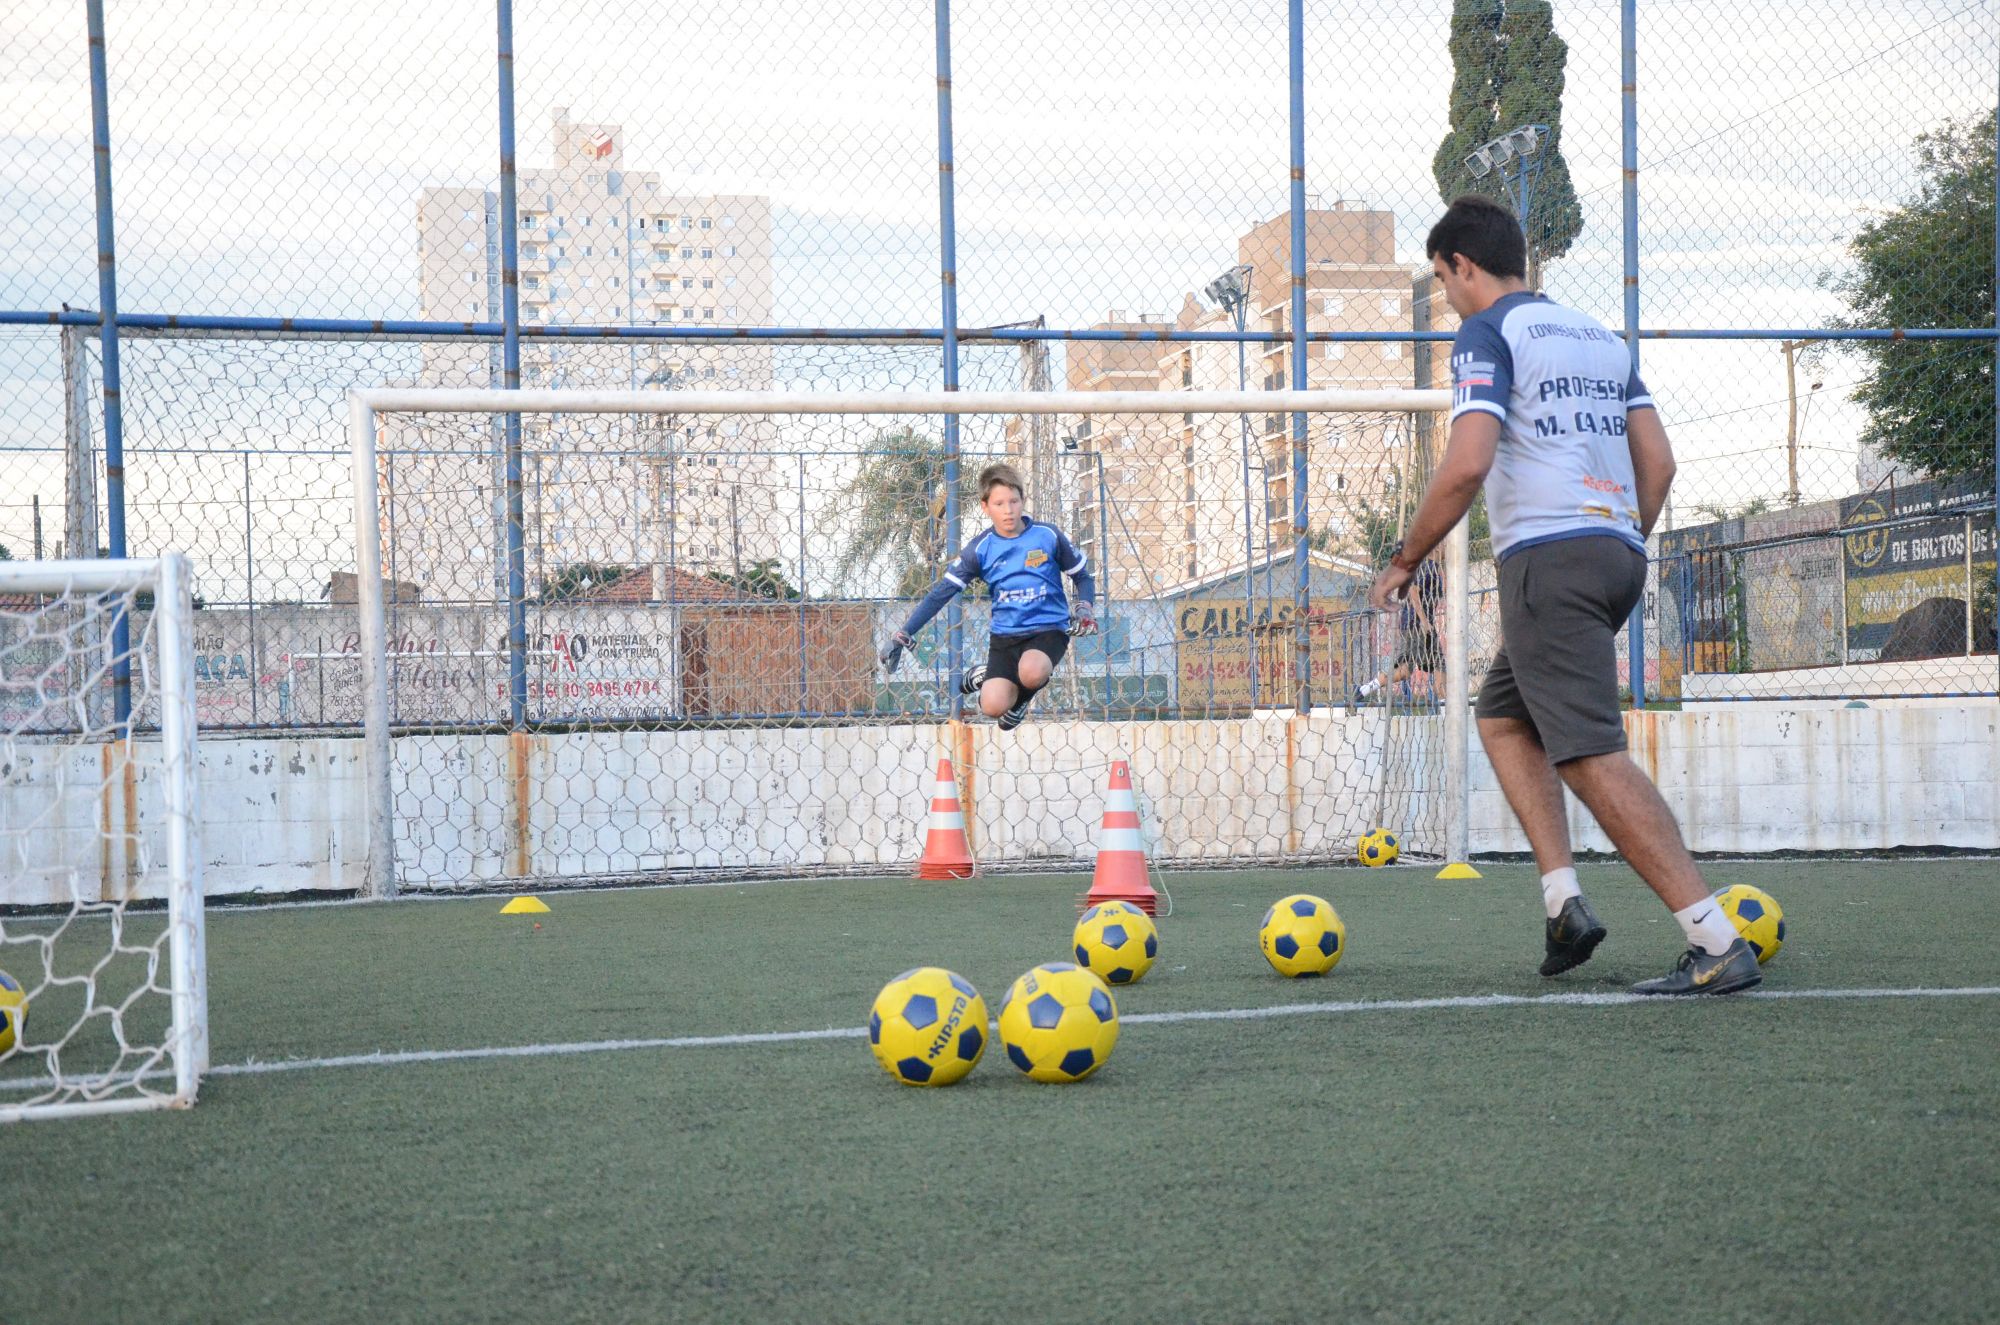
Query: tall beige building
[599, 245]
[1176, 486]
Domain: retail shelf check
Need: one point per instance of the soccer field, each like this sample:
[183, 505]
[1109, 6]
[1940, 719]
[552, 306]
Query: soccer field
[691, 1127]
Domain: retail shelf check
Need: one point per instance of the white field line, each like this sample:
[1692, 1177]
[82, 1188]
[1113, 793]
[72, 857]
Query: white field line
[1474, 1001]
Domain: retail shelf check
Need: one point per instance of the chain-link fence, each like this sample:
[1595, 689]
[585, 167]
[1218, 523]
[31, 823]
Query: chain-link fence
[1790, 208]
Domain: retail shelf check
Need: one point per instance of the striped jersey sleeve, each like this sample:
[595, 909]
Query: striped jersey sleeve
[1482, 369]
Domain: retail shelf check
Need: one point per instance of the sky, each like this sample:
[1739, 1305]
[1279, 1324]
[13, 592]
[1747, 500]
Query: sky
[269, 157]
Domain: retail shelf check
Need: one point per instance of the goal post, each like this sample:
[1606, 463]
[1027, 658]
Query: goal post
[613, 484]
[101, 908]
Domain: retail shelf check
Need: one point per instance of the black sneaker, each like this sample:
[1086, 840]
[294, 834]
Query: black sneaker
[973, 680]
[1013, 717]
[1699, 973]
[1572, 936]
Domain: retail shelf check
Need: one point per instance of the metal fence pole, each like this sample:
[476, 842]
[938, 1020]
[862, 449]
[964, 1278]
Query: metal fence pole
[948, 303]
[107, 305]
[1628, 42]
[1249, 529]
[250, 590]
[1301, 561]
[510, 371]
[1996, 414]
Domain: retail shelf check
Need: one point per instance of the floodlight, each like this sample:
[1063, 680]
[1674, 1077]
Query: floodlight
[1231, 288]
[1479, 163]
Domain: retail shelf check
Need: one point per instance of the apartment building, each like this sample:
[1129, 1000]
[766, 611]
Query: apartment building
[601, 246]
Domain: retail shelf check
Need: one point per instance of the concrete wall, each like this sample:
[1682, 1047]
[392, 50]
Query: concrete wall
[284, 815]
[1754, 779]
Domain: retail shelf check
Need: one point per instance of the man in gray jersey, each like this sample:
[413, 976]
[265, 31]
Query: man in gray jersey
[1550, 416]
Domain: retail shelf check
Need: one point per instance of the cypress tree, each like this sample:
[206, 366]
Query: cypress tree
[1508, 72]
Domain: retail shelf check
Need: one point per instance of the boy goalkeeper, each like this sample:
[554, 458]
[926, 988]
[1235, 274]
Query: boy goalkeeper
[1023, 563]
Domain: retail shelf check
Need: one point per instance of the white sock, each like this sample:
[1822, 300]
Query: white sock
[1370, 687]
[1558, 886]
[1707, 926]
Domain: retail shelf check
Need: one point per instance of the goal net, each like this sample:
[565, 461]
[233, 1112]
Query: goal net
[103, 1006]
[618, 635]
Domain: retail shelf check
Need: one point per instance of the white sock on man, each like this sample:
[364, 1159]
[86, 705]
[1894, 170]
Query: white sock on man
[1558, 886]
[1707, 926]
[1370, 687]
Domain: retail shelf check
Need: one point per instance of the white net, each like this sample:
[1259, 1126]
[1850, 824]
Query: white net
[102, 1005]
[704, 588]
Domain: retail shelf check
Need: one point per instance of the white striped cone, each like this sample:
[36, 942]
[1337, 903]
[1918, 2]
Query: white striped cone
[947, 855]
[1121, 874]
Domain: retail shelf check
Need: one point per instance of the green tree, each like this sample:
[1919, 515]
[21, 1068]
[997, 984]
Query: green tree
[1508, 72]
[574, 581]
[893, 514]
[1377, 525]
[1723, 512]
[762, 579]
[1929, 263]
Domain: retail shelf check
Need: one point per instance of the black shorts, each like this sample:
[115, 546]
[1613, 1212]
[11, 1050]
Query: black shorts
[1420, 651]
[1003, 652]
[1561, 607]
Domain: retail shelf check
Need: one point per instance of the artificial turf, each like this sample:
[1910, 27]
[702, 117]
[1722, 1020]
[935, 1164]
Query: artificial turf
[1753, 1159]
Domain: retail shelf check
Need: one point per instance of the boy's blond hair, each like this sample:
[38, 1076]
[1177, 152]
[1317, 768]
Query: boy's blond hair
[1000, 476]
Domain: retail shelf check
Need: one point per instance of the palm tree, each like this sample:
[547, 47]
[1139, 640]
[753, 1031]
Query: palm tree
[894, 515]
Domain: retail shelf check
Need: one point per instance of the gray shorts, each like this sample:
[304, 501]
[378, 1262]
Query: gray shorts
[1561, 606]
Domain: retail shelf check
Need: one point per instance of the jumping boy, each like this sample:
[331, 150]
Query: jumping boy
[1023, 563]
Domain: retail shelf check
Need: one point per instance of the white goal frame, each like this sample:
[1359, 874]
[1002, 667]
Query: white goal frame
[364, 407]
[170, 580]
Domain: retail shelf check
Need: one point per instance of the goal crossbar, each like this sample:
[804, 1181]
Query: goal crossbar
[471, 400]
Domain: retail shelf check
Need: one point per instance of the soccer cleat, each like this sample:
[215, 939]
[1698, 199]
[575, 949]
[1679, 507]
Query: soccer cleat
[1014, 717]
[1572, 936]
[1699, 973]
[973, 680]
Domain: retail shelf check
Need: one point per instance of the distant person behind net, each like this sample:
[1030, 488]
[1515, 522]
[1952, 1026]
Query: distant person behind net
[1023, 562]
[1549, 414]
[1417, 646]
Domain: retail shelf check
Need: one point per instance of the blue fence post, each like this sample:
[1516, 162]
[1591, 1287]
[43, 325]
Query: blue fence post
[510, 379]
[107, 336]
[948, 300]
[1628, 42]
[1301, 561]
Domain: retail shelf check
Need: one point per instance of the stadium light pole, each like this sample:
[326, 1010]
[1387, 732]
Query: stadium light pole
[1231, 292]
[1517, 155]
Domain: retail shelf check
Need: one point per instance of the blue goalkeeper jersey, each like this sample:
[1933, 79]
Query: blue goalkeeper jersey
[1024, 572]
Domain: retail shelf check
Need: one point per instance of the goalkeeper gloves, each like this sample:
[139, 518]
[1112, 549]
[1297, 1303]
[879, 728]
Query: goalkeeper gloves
[892, 657]
[1083, 618]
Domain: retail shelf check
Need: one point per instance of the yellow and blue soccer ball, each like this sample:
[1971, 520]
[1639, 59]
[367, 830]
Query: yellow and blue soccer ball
[13, 1011]
[928, 1027]
[1379, 847]
[1757, 917]
[1302, 936]
[1058, 1023]
[1116, 941]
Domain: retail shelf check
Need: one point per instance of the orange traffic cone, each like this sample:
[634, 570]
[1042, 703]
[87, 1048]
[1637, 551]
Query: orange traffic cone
[1121, 857]
[946, 853]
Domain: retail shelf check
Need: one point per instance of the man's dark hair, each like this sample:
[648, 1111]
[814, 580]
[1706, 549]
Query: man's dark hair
[1483, 231]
